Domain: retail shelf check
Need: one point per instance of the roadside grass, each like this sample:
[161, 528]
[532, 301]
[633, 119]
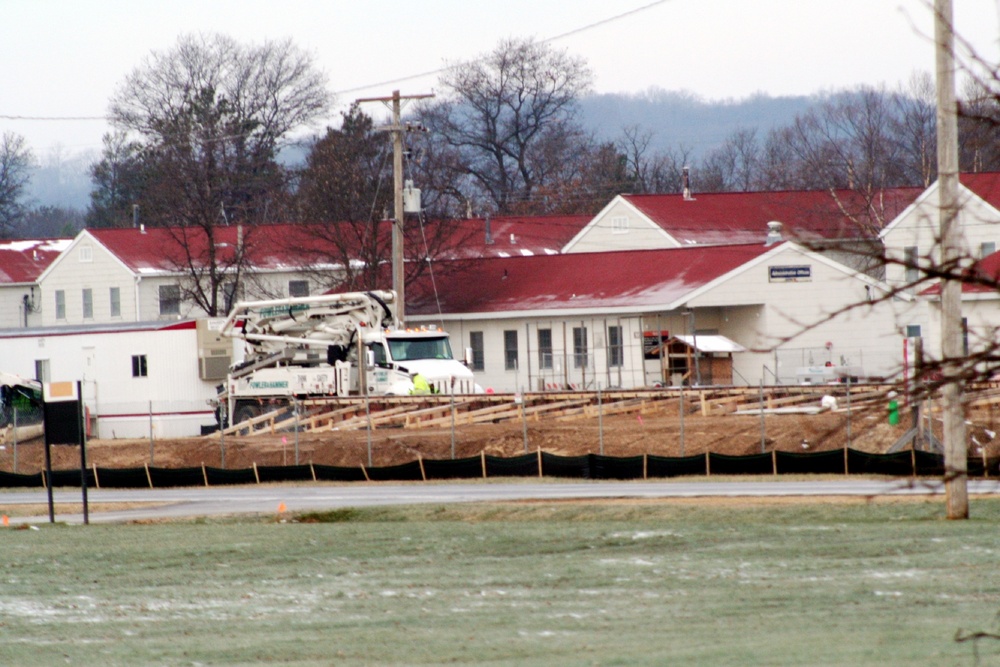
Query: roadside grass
[588, 583]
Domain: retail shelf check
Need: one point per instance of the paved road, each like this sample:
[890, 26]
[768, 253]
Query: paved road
[148, 504]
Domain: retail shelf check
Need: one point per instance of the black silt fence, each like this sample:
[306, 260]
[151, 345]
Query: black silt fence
[676, 466]
[588, 466]
[814, 463]
[525, 465]
[299, 473]
[338, 474]
[752, 464]
[610, 467]
[406, 472]
[575, 467]
[454, 469]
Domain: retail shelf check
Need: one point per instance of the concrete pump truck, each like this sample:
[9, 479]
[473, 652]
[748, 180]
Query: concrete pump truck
[328, 346]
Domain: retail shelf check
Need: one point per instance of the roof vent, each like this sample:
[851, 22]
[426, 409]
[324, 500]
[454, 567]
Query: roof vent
[489, 230]
[773, 233]
[513, 240]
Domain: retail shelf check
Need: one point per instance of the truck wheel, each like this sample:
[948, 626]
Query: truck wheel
[245, 413]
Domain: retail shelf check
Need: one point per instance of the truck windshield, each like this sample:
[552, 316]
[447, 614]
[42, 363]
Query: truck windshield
[406, 349]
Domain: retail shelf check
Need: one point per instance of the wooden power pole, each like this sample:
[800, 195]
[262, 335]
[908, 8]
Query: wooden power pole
[955, 453]
[397, 128]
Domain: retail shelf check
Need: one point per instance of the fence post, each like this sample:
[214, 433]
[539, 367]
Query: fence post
[708, 465]
[524, 423]
[149, 478]
[256, 476]
[774, 462]
[15, 439]
[423, 474]
[482, 458]
[600, 420]
[680, 401]
[204, 474]
[846, 466]
[97, 482]
[539, 461]
[645, 466]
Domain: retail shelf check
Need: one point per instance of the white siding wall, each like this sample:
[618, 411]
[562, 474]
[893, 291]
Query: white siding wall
[919, 227]
[12, 307]
[809, 314]
[72, 273]
[620, 227]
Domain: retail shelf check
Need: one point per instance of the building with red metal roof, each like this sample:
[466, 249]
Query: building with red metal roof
[21, 263]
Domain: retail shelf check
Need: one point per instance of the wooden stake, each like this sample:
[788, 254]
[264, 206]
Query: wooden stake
[846, 467]
[774, 462]
[204, 474]
[708, 465]
[97, 482]
[539, 461]
[255, 475]
[312, 470]
[423, 474]
[365, 472]
[913, 462]
[482, 458]
[645, 466]
[149, 478]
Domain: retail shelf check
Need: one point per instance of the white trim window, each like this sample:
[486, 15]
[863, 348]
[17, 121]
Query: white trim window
[619, 224]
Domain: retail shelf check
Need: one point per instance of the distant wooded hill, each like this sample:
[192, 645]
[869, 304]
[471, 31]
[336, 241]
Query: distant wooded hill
[674, 118]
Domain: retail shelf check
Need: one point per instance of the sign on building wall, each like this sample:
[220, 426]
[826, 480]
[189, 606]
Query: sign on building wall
[789, 274]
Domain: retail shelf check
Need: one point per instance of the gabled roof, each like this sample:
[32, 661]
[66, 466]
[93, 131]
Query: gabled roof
[23, 261]
[742, 217]
[603, 282]
[985, 185]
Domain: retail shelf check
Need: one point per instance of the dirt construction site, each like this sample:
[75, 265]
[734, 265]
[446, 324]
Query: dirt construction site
[731, 421]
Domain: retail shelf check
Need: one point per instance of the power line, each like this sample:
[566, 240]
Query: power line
[570, 33]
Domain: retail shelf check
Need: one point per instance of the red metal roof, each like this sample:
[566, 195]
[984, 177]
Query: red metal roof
[270, 247]
[986, 185]
[22, 261]
[984, 278]
[635, 279]
[742, 217]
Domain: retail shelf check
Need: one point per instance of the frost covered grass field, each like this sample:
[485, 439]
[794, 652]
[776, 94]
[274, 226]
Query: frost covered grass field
[652, 583]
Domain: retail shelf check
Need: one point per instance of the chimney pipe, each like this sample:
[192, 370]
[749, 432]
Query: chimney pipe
[773, 233]
[489, 230]
[686, 181]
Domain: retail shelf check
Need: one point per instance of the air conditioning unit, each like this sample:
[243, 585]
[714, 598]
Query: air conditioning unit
[213, 368]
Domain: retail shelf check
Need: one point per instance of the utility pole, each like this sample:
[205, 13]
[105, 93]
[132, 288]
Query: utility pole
[955, 454]
[397, 129]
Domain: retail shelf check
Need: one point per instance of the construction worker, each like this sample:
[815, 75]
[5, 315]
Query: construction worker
[420, 384]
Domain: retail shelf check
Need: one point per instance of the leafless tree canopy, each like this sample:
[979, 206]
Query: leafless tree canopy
[15, 162]
[508, 123]
[209, 117]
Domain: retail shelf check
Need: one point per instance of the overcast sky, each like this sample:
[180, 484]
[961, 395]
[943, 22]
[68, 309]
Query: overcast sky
[64, 58]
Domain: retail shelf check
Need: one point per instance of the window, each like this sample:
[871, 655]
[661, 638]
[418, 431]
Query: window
[616, 351]
[116, 302]
[86, 253]
[987, 248]
[60, 304]
[545, 349]
[88, 303]
[510, 350]
[478, 353]
[619, 225]
[139, 366]
[298, 288]
[913, 331]
[170, 300]
[580, 347]
[910, 258]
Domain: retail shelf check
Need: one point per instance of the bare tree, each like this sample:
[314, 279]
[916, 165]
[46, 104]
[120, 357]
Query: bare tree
[16, 160]
[509, 122]
[210, 116]
[118, 182]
